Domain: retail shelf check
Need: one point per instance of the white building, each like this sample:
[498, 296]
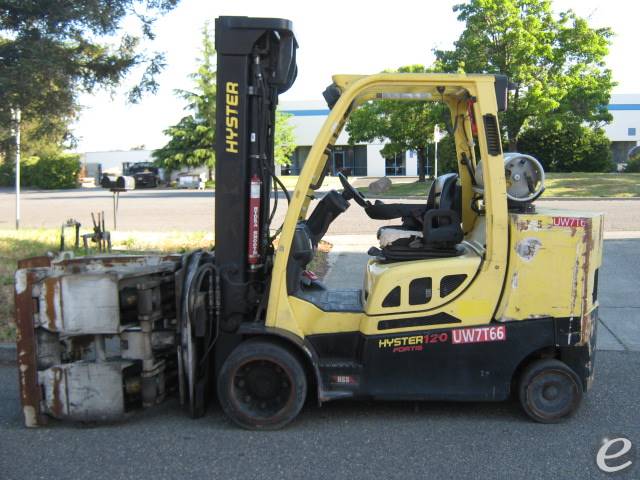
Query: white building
[366, 160]
[115, 162]
[624, 130]
[363, 159]
[112, 162]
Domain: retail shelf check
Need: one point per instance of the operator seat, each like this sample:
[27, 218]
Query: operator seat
[429, 231]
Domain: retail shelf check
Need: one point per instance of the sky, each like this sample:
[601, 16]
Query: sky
[334, 36]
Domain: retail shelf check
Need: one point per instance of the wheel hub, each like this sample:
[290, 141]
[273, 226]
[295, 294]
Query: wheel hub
[262, 388]
[550, 392]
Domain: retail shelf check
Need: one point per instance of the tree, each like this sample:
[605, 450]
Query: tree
[51, 51]
[555, 61]
[406, 125]
[447, 155]
[192, 140]
[284, 139]
[191, 144]
[562, 147]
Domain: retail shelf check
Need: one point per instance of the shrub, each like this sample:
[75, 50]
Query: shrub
[633, 165]
[49, 173]
[573, 148]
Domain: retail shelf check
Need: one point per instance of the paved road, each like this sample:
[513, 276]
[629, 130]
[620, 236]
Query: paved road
[359, 440]
[340, 440]
[188, 210]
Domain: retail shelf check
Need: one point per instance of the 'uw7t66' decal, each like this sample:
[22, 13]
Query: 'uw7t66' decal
[417, 343]
[479, 334]
[571, 222]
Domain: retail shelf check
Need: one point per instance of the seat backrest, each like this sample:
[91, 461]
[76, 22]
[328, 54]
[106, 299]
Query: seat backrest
[442, 193]
[442, 219]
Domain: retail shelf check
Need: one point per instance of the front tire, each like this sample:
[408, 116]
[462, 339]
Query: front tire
[550, 391]
[261, 386]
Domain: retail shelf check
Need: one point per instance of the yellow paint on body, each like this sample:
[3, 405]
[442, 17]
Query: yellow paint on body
[534, 286]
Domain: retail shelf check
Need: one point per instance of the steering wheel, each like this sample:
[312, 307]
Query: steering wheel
[351, 192]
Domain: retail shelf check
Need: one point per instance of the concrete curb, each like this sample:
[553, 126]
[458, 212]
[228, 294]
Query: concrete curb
[8, 353]
[621, 234]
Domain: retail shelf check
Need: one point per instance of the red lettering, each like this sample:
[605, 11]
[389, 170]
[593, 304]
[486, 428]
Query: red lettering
[570, 222]
[408, 348]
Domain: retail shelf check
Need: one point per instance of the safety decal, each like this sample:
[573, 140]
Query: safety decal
[479, 334]
[570, 222]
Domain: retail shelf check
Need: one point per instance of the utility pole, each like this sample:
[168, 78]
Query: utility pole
[15, 113]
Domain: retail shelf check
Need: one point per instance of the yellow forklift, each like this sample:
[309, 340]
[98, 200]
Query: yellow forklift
[476, 294]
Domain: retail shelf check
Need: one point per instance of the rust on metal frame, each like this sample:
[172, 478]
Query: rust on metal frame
[586, 320]
[30, 396]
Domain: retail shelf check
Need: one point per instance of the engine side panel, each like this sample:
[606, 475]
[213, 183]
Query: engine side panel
[554, 256]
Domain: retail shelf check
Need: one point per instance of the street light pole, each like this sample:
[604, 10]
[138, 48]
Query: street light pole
[16, 119]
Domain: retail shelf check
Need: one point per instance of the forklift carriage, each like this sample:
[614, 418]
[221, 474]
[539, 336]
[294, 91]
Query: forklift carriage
[474, 295]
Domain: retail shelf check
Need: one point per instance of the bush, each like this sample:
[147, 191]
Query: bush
[568, 148]
[633, 165]
[49, 173]
[633, 162]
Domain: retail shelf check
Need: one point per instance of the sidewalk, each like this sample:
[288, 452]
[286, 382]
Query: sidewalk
[619, 276]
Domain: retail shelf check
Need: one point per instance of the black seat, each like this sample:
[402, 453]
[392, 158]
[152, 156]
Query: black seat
[428, 231]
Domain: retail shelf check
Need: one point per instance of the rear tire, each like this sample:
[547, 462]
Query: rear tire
[261, 386]
[549, 390]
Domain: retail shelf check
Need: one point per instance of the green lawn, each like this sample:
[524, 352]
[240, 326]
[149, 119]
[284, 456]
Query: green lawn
[617, 185]
[613, 185]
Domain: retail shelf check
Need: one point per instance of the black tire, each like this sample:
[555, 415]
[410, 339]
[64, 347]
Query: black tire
[261, 385]
[549, 390]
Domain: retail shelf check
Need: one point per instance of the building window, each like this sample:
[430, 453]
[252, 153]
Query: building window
[395, 165]
[631, 131]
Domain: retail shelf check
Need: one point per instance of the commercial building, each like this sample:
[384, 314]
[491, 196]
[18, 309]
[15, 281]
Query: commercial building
[116, 162]
[366, 160]
[624, 130]
[360, 160]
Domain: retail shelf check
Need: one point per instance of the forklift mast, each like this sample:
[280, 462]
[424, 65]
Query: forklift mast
[256, 63]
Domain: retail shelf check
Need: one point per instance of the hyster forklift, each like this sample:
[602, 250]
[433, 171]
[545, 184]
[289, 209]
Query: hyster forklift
[475, 294]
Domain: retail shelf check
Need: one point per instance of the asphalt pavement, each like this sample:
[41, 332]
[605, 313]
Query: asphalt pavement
[340, 440]
[163, 210]
[356, 440]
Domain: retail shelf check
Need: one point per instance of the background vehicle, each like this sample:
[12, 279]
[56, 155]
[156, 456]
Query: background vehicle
[475, 296]
[146, 174]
